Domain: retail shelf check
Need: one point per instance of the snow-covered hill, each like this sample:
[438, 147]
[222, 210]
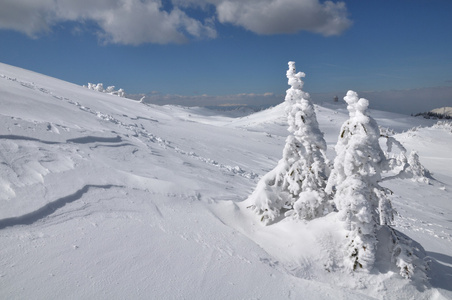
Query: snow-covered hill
[445, 111]
[104, 197]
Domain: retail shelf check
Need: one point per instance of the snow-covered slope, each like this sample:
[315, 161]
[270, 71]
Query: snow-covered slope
[104, 197]
[446, 111]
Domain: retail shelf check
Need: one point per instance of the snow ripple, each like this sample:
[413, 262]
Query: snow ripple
[137, 131]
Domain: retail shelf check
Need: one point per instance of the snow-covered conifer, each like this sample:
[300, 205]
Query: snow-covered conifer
[110, 89]
[416, 169]
[99, 87]
[297, 183]
[361, 202]
[121, 93]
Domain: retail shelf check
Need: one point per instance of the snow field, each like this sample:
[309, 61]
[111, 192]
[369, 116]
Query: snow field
[104, 197]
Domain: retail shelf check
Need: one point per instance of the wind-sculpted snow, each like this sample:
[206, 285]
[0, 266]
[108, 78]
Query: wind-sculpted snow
[49, 208]
[26, 138]
[137, 131]
[80, 140]
[94, 139]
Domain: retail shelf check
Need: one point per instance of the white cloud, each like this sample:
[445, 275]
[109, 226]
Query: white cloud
[279, 16]
[121, 21]
[27, 16]
[285, 16]
[146, 21]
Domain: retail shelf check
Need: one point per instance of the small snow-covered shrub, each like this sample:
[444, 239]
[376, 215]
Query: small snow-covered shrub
[403, 253]
[386, 131]
[401, 165]
[446, 125]
[270, 194]
[418, 172]
[109, 90]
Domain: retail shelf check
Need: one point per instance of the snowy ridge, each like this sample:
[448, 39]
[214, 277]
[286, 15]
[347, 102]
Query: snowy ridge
[104, 197]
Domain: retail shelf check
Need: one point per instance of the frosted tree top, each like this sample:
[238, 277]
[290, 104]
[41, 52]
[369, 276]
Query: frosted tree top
[294, 79]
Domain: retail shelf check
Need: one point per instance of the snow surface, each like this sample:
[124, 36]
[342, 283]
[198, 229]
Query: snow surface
[108, 198]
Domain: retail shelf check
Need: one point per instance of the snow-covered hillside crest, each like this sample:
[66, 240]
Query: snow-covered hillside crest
[297, 183]
[446, 111]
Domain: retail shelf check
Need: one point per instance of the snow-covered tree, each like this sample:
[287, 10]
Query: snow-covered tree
[100, 87]
[404, 167]
[121, 93]
[416, 169]
[361, 203]
[297, 183]
[110, 89]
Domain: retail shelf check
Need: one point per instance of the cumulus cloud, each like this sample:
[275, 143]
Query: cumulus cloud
[285, 16]
[27, 16]
[120, 21]
[135, 22]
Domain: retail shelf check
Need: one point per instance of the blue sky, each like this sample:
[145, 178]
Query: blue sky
[237, 51]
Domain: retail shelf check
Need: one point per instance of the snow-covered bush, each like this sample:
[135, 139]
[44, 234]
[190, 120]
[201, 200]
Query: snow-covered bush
[120, 93]
[446, 125]
[403, 252]
[297, 183]
[418, 172]
[402, 166]
[109, 90]
[362, 204]
[386, 131]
